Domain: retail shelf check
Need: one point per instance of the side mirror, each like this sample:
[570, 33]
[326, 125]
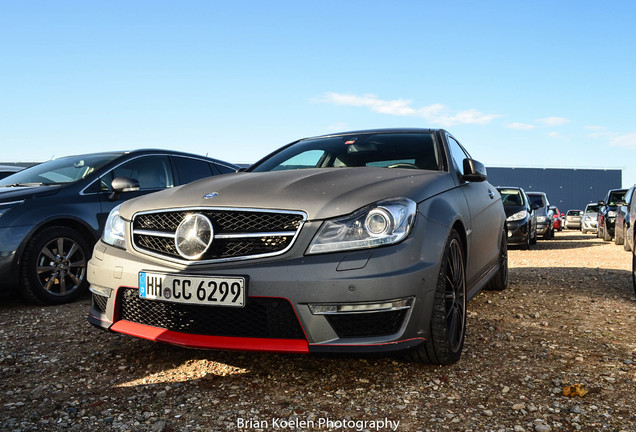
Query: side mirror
[601, 203]
[122, 184]
[535, 206]
[474, 171]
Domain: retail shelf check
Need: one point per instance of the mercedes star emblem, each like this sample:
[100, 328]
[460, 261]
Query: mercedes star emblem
[194, 236]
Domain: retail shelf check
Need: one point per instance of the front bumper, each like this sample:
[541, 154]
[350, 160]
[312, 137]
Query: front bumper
[277, 316]
[542, 228]
[10, 249]
[518, 232]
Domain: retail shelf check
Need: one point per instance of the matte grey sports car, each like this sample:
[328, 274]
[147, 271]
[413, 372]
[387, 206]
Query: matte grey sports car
[356, 242]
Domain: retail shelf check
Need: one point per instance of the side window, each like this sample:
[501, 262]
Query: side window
[224, 169]
[190, 169]
[458, 154]
[152, 172]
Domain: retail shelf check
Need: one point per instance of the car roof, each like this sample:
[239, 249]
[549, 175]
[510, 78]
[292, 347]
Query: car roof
[383, 130]
[145, 151]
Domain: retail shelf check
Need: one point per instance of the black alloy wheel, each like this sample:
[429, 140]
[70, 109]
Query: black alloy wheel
[606, 234]
[54, 266]
[500, 281]
[448, 320]
[634, 271]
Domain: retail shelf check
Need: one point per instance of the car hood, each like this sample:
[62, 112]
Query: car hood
[321, 193]
[23, 192]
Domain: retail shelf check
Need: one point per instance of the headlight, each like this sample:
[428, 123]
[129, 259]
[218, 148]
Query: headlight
[541, 219]
[115, 229]
[5, 207]
[611, 213]
[386, 222]
[518, 216]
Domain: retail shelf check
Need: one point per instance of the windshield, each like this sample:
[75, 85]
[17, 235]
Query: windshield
[387, 150]
[593, 208]
[511, 197]
[537, 199]
[615, 197]
[64, 170]
[574, 212]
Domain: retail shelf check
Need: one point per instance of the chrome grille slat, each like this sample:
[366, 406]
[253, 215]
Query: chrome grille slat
[239, 234]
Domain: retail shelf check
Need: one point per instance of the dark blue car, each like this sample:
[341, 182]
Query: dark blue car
[52, 214]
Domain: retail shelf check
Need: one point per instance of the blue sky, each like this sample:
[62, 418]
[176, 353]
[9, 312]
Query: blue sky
[519, 83]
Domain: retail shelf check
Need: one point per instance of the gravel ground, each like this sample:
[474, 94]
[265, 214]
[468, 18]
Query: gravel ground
[567, 318]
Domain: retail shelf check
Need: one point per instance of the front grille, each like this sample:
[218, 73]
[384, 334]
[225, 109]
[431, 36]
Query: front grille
[260, 318]
[367, 324]
[99, 303]
[238, 234]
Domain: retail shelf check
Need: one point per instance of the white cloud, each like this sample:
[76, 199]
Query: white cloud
[626, 140]
[436, 113]
[520, 126]
[555, 134]
[595, 128]
[553, 121]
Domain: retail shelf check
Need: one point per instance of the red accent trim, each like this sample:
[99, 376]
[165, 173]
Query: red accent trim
[210, 342]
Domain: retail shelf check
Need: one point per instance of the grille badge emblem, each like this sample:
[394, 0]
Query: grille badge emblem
[211, 195]
[194, 236]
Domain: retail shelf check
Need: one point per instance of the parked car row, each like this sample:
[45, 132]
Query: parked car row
[367, 241]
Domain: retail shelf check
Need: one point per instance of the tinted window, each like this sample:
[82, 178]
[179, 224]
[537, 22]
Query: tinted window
[192, 169]
[458, 154]
[593, 208]
[152, 172]
[224, 169]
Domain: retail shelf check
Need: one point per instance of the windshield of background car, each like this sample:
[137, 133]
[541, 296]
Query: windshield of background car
[591, 209]
[387, 150]
[537, 199]
[511, 197]
[64, 170]
[574, 213]
[616, 197]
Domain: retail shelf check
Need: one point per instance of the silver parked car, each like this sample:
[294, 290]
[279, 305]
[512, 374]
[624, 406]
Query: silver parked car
[573, 219]
[358, 242]
[589, 220]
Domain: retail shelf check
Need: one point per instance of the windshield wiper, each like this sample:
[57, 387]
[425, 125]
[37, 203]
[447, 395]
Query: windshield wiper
[26, 184]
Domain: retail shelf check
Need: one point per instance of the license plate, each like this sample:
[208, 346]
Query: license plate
[207, 290]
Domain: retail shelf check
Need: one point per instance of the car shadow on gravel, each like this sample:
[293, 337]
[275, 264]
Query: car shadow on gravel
[569, 242]
[592, 282]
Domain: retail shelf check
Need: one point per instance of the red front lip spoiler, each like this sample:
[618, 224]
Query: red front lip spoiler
[298, 346]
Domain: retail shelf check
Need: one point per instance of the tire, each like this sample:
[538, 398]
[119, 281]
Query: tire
[533, 240]
[618, 240]
[626, 245]
[50, 277]
[447, 328]
[634, 272]
[606, 234]
[500, 281]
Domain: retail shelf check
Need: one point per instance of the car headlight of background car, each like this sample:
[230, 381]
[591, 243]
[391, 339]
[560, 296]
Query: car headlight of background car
[611, 213]
[115, 229]
[541, 219]
[518, 216]
[383, 223]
